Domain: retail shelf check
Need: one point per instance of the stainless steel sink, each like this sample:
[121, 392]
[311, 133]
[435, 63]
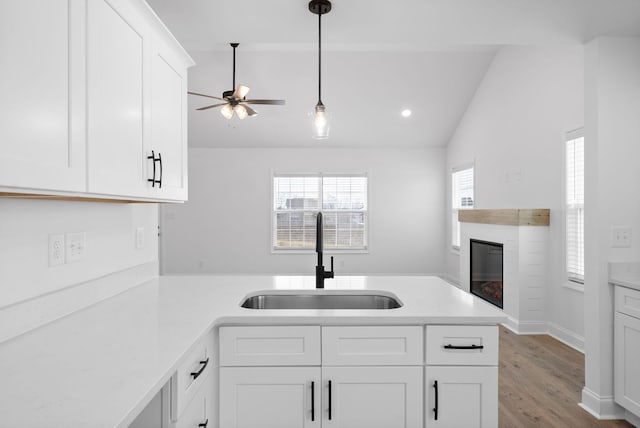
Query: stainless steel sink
[321, 301]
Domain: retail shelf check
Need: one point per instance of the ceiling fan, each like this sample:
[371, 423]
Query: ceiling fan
[235, 100]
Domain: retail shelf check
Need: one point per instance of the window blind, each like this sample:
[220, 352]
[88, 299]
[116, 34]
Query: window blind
[342, 199]
[575, 208]
[462, 187]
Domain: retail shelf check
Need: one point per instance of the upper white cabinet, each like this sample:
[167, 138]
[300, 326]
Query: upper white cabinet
[42, 111]
[107, 114]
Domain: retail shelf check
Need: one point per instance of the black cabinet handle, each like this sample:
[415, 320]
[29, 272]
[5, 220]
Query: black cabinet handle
[463, 347]
[199, 372]
[329, 400]
[160, 159]
[313, 401]
[435, 409]
[203, 424]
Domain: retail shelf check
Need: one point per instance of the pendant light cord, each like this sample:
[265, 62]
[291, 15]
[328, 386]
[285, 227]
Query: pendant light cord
[320, 57]
[233, 88]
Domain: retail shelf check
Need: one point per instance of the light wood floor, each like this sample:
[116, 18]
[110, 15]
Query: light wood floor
[540, 383]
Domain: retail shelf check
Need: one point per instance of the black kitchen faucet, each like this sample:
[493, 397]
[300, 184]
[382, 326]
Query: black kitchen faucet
[321, 274]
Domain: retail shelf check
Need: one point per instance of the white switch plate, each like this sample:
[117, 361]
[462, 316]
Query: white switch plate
[621, 237]
[140, 237]
[75, 247]
[56, 249]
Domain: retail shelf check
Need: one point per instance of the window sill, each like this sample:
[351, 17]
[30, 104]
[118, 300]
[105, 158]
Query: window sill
[313, 251]
[574, 286]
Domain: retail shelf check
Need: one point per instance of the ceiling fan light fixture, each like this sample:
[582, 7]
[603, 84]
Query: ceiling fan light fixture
[241, 91]
[241, 112]
[227, 111]
[320, 117]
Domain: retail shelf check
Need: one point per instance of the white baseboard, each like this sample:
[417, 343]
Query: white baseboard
[602, 407]
[526, 327]
[632, 419]
[26, 316]
[566, 336]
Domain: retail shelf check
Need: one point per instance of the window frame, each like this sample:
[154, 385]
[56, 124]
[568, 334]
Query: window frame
[570, 281]
[321, 175]
[454, 210]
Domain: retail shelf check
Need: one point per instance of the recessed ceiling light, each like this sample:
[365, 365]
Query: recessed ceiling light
[406, 113]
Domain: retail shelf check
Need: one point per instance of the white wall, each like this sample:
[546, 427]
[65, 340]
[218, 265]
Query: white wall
[513, 129]
[612, 187]
[110, 243]
[225, 226]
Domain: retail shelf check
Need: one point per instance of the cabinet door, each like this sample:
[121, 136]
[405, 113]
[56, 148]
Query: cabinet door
[42, 107]
[627, 362]
[168, 137]
[372, 397]
[269, 397]
[117, 60]
[464, 397]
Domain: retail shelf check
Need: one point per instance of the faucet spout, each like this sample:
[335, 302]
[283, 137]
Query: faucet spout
[321, 274]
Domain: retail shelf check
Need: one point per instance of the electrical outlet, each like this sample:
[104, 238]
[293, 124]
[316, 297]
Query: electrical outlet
[621, 237]
[56, 249]
[75, 247]
[140, 237]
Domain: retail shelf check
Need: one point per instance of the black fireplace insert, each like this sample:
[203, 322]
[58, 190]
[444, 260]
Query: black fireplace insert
[486, 271]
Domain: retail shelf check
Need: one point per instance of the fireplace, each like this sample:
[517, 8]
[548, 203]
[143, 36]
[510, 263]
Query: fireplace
[486, 271]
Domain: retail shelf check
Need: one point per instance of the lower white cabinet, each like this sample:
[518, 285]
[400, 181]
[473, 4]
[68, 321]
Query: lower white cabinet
[200, 412]
[627, 349]
[270, 397]
[372, 397]
[461, 396]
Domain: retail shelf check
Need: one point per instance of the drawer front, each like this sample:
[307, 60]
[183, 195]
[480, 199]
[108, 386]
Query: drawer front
[270, 346]
[462, 345]
[372, 346]
[191, 374]
[627, 301]
[198, 412]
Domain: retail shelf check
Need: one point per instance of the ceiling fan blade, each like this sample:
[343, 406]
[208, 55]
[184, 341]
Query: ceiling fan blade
[240, 92]
[250, 111]
[272, 102]
[203, 95]
[211, 106]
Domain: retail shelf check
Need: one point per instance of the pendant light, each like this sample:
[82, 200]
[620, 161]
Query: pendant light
[320, 117]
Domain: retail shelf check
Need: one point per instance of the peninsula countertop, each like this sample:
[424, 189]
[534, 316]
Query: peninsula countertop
[100, 366]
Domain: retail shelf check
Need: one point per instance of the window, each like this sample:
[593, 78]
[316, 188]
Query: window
[461, 198]
[575, 206]
[342, 199]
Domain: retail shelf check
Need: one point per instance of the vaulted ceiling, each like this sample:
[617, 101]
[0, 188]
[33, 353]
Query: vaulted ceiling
[379, 57]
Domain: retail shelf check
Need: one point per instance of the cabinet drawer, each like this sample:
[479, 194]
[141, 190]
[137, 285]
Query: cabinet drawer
[462, 345]
[191, 374]
[198, 412]
[270, 346]
[627, 301]
[372, 345]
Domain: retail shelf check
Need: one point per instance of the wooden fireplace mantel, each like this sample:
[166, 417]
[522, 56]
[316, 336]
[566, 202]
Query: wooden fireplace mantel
[509, 217]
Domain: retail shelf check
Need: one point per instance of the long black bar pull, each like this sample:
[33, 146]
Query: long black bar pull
[329, 400]
[313, 401]
[435, 409]
[202, 367]
[463, 347]
[160, 159]
[153, 159]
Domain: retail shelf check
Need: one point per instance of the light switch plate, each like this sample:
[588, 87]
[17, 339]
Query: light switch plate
[621, 237]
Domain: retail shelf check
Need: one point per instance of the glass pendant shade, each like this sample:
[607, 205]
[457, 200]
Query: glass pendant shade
[227, 111]
[320, 122]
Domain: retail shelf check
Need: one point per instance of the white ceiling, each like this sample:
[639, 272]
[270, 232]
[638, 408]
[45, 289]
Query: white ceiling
[378, 58]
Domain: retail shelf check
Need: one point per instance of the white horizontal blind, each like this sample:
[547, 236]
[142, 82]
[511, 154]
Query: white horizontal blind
[575, 208]
[343, 206]
[461, 198]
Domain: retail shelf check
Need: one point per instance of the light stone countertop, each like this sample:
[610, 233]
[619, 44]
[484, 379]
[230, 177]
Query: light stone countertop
[625, 275]
[99, 367]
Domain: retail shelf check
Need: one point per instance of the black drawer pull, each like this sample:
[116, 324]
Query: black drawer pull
[463, 347]
[199, 372]
[329, 400]
[313, 401]
[435, 409]
[203, 424]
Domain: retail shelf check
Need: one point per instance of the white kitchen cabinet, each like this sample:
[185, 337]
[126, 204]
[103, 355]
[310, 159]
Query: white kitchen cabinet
[372, 397]
[461, 396]
[94, 101]
[42, 106]
[200, 413]
[627, 349]
[270, 397]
